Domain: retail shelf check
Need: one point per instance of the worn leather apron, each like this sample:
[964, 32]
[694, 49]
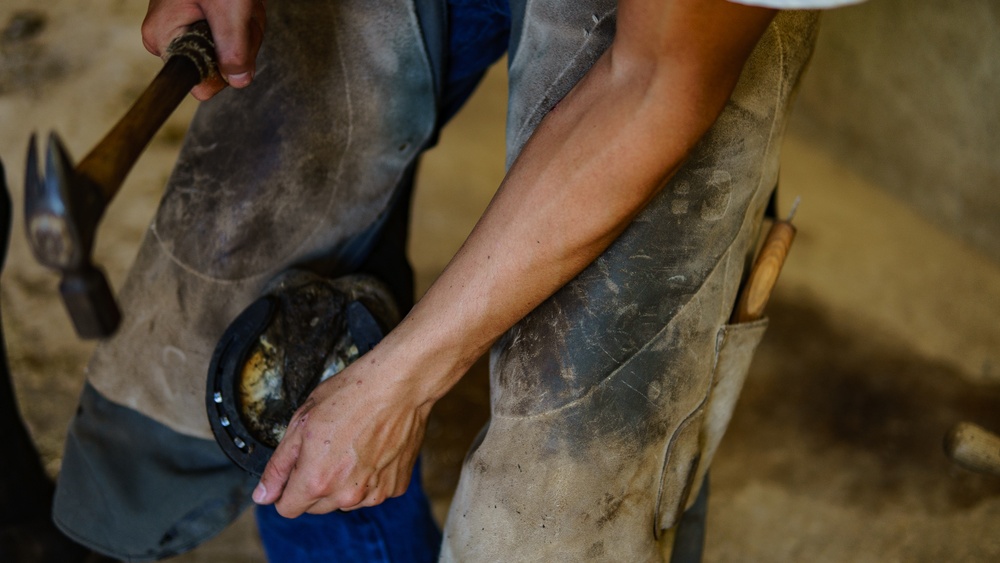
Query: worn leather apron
[609, 400]
[299, 168]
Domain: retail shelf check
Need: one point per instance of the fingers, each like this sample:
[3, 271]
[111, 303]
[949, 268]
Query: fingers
[237, 29]
[165, 20]
[393, 481]
[279, 469]
[319, 485]
[381, 486]
[296, 484]
[299, 476]
[208, 88]
[357, 494]
[343, 449]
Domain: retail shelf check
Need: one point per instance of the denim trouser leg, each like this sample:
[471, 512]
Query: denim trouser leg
[400, 529]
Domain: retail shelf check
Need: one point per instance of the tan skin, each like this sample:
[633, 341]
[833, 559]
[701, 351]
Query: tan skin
[592, 164]
[237, 28]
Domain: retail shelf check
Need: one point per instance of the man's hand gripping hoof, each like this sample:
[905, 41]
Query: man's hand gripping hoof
[302, 332]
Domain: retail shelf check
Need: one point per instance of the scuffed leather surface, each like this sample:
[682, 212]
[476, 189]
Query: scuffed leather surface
[552, 47]
[591, 389]
[736, 347]
[342, 103]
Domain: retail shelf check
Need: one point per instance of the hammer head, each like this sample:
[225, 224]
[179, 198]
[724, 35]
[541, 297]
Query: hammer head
[61, 211]
[5, 216]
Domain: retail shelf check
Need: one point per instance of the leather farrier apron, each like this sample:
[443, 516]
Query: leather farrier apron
[609, 399]
[301, 167]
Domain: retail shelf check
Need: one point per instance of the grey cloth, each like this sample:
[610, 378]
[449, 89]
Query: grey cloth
[131, 488]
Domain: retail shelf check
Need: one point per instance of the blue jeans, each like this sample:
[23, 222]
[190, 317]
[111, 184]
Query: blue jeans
[400, 529]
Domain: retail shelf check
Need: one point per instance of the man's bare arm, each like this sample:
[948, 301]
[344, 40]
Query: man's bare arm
[593, 163]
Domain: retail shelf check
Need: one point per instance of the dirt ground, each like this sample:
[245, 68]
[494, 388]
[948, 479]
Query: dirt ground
[883, 330]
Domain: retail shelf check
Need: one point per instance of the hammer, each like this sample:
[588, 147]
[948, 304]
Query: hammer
[973, 448]
[63, 208]
[757, 289]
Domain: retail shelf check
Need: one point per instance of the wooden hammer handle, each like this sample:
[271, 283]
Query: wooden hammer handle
[974, 448]
[764, 274]
[190, 59]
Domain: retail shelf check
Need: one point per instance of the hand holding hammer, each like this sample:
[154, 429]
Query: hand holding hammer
[63, 208]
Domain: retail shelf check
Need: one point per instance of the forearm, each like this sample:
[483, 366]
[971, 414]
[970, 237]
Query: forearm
[593, 163]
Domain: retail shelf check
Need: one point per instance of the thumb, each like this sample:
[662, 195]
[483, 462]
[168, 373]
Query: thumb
[275, 476]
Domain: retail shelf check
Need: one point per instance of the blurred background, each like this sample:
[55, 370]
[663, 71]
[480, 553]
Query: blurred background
[883, 331]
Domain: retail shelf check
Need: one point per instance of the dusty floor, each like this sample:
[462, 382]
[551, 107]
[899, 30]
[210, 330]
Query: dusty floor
[883, 329]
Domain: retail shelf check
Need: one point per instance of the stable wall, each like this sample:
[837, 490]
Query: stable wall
[905, 93]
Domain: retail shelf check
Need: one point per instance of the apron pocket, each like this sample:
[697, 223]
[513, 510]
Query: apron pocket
[694, 444]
